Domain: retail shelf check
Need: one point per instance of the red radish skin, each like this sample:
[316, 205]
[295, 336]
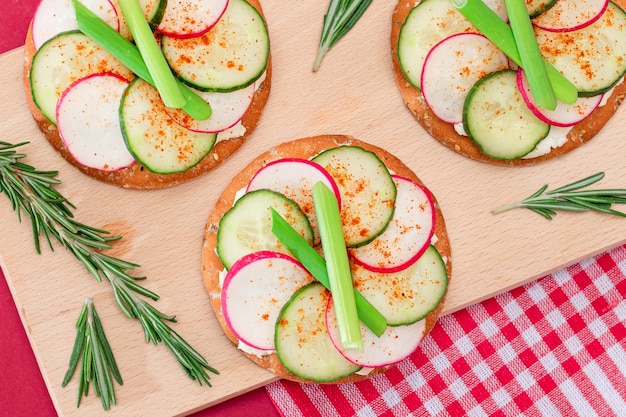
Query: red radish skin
[89, 124]
[408, 234]
[227, 110]
[565, 115]
[185, 19]
[254, 291]
[452, 67]
[566, 16]
[295, 178]
[56, 16]
[394, 345]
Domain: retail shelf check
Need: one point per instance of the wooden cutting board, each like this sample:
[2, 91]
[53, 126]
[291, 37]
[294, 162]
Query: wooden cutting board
[353, 93]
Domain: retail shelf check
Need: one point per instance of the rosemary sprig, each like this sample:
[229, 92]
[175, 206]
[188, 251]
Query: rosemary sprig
[98, 363]
[340, 17]
[571, 198]
[32, 191]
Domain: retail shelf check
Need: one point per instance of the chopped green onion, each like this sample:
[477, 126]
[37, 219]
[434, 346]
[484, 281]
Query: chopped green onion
[151, 54]
[339, 274]
[532, 61]
[128, 54]
[498, 32]
[315, 264]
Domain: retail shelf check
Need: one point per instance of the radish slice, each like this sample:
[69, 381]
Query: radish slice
[564, 115]
[408, 234]
[566, 16]
[295, 178]
[89, 124]
[190, 18]
[254, 291]
[452, 67]
[395, 344]
[228, 109]
[56, 16]
[407, 296]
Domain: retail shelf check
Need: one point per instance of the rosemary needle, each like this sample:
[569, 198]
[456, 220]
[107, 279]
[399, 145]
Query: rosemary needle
[33, 192]
[571, 197]
[340, 17]
[98, 364]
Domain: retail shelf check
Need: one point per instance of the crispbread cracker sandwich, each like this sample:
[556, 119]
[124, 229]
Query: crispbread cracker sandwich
[569, 138]
[213, 268]
[136, 175]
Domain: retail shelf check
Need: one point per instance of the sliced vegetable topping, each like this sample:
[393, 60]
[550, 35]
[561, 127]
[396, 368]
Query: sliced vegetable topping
[394, 345]
[156, 141]
[565, 114]
[62, 60]
[191, 18]
[593, 57]
[57, 16]
[406, 296]
[452, 67]
[232, 55]
[254, 291]
[408, 234]
[301, 347]
[571, 15]
[227, 110]
[295, 177]
[367, 191]
[246, 227]
[331, 234]
[89, 125]
[498, 120]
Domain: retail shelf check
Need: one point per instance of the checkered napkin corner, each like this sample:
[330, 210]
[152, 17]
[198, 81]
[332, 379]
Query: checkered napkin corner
[554, 347]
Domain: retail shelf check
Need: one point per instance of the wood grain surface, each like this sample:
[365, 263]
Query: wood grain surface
[353, 93]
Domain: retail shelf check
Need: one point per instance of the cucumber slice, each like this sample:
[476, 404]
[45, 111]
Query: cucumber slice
[406, 296]
[232, 55]
[159, 143]
[246, 227]
[303, 344]
[64, 59]
[498, 120]
[368, 192]
[592, 58]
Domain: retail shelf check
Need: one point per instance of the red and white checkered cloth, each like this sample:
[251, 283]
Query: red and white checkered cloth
[554, 347]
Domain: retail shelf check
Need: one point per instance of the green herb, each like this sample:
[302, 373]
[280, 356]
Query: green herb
[571, 198]
[151, 54]
[340, 17]
[98, 364]
[32, 192]
[498, 32]
[337, 265]
[532, 61]
[128, 54]
[315, 264]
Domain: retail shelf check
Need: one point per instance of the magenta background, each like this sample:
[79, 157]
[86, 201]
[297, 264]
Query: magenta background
[22, 389]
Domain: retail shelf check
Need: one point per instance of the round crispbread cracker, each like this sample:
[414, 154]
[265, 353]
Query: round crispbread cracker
[136, 176]
[445, 133]
[302, 148]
